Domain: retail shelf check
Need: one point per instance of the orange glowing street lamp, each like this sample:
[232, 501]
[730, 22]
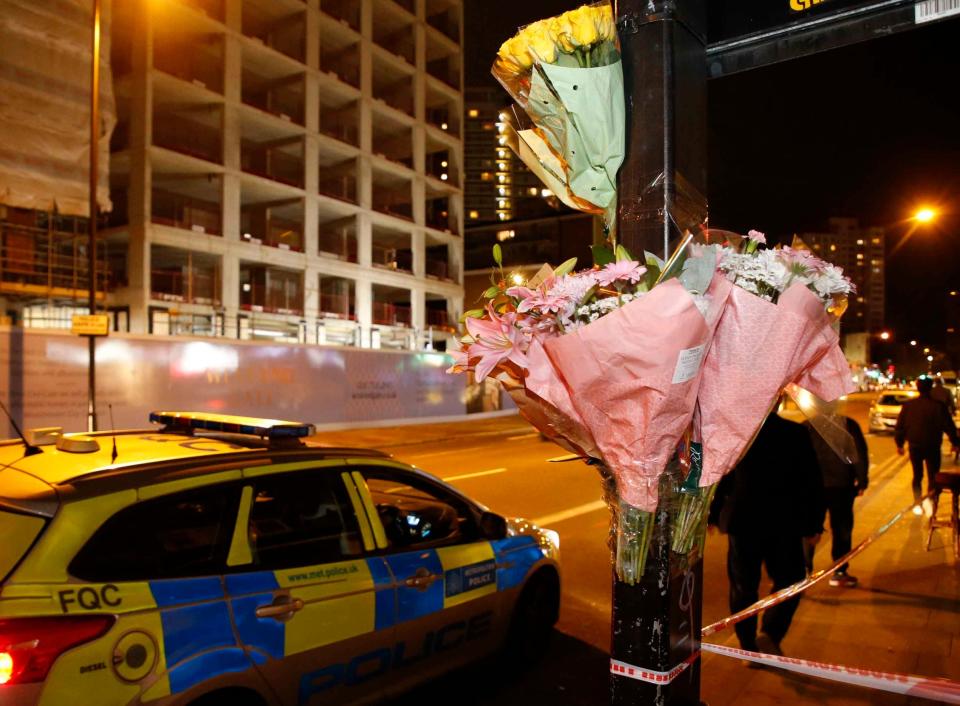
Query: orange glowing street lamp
[884, 335]
[925, 215]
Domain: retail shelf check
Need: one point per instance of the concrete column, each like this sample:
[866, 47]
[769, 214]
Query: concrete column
[364, 311]
[230, 277]
[418, 317]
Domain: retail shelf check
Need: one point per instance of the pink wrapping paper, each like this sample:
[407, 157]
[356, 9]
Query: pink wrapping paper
[633, 377]
[758, 348]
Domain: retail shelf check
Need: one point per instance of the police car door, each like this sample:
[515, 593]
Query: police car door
[314, 612]
[445, 572]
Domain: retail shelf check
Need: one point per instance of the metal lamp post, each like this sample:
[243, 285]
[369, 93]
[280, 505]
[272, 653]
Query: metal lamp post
[661, 186]
[92, 242]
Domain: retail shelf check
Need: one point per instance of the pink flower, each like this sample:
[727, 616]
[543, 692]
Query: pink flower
[624, 270]
[757, 237]
[802, 258]
[539, 300]
[495, 339]
[461, 361]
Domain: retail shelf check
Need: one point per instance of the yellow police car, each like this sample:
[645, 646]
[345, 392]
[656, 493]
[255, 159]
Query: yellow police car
[223, 560]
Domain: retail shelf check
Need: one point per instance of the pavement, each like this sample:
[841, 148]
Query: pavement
[903, 617]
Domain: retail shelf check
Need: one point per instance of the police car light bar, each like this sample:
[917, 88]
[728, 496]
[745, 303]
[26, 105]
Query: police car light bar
[230, 424]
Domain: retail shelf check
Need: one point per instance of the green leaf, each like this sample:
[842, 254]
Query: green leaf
[652, 260]
[498, 254]
[566, 268]
[472, 314]
[623, 254]
[491, 292]
[602, 255]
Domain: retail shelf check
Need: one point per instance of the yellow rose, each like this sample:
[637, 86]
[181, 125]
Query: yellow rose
[514, 51]
[539, 42]
[603, 19]
[561, 32]
[584, 29]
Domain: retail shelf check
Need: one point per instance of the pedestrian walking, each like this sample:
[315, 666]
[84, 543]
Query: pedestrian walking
[842, 483]
[771, 501]
[942, 394]
[921, 425]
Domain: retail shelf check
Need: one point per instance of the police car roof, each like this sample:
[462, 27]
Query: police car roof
[143, 456]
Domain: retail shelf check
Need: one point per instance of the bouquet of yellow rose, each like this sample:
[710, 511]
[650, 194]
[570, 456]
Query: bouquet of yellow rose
[565, 72]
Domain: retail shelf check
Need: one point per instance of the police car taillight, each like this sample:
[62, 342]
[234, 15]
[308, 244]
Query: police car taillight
[30, 646]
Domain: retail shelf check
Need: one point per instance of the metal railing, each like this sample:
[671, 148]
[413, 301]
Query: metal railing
[386, 314]
[37, 262]
[192, 287]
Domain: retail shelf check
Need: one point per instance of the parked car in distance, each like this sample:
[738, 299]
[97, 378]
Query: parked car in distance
[226, 561]
[886, 408]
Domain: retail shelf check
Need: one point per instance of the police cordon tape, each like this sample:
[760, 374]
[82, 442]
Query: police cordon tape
[814, 578]
[942, 690]
[925, 687]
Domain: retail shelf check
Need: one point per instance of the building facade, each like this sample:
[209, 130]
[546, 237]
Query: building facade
[860, 251]
[288, 170]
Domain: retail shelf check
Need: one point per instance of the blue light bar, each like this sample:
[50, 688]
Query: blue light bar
[230, 424]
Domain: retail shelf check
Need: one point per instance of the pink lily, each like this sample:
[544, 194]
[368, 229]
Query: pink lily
[496, 339]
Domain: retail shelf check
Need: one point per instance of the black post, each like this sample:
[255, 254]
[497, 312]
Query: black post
[661, 186]
[92, 242]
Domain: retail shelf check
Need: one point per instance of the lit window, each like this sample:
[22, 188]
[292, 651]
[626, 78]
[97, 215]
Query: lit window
[501, 153]
[502, 179]
[502, 140]
[501, 166]
[860, 242]
[473, 113]
[875, 241]
[443, 177]
[833, 248]
[443, 126]
[859, 255]
[503, 235]
[443, 164]
[501, 116]
[545, 193]
[474, 214]
[502, 216]
[532, 191]
[485, 176]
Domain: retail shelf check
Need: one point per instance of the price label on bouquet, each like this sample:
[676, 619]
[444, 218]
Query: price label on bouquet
[688, 363]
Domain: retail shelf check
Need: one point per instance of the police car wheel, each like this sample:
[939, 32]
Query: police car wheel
[534, 616]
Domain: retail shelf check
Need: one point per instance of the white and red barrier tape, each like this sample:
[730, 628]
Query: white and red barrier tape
[935, 688]
[652, 676]
[942, 690]
[814, 578]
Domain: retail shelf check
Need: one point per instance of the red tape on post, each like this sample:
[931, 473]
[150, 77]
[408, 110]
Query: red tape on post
[935, 688]
[651, 676]
[815, 578]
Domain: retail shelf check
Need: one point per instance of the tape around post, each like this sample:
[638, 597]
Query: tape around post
[815, 578]
[935, 688]
[651, 676]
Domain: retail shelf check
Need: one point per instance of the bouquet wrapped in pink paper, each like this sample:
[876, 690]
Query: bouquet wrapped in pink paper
[607, 362]
[775, 330]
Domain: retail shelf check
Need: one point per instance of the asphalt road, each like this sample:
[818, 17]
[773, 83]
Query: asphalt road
[516, 473]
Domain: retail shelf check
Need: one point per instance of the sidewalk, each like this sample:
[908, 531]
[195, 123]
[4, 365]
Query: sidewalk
[903, 617]
[397, 436]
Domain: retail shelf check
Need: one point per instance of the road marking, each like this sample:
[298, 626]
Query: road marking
[570, 513]
[518, 437]
[464, 476]
[561, 459]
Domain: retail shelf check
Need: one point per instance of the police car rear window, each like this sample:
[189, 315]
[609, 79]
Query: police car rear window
[175, 536]
[18, 533]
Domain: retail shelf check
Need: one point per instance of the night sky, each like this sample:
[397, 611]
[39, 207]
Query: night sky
[870, 131]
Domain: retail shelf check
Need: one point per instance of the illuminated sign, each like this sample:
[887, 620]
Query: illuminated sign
[728, 19]
[90, 324]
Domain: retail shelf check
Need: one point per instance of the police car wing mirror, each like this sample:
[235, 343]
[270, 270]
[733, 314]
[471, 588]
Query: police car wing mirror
[493, 525]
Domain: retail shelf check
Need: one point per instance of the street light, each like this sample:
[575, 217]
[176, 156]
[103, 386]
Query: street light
[929, 358]
[884, 335]
[913, 343]
[925, 215]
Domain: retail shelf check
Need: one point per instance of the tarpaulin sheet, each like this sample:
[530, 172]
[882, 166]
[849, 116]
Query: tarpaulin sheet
[45, 64]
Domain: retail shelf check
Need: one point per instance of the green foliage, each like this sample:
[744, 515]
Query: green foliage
[498, 254]
[566, 268]
[623, 254]
[602, 255]
[471, 314]
[491, 292]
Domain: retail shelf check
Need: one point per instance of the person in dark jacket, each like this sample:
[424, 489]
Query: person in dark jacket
[921, 424]
[943, 395]
[842, 483]
[767, 505]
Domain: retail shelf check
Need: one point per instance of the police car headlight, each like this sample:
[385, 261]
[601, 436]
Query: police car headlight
[553, 537]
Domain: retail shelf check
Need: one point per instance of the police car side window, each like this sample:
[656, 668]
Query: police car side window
[298, 519]
[416, 514]
[174, 536]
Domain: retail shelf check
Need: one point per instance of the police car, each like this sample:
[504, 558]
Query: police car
[223, 560]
